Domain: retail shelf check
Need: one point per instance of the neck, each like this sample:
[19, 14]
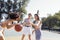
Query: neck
[36, 20]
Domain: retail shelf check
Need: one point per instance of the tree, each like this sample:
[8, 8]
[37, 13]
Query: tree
[10, 7]
[52, 21]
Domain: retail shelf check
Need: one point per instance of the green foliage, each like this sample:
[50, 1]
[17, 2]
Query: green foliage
[23, 10]
[23, 5]
[25, 2]
[18, 6]
[52, 21]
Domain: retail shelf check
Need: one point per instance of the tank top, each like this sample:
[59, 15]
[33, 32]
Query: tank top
[27, 22]
[36, 23]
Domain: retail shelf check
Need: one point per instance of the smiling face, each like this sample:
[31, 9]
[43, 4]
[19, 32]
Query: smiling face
[36, 17]
[29, 15]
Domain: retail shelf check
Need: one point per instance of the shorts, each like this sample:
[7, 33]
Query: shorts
[26, 31]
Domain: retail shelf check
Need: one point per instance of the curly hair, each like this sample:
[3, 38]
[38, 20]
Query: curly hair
[13, 16]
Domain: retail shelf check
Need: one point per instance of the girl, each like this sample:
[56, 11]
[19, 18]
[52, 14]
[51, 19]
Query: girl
[27, 27]
[7, 24]
[37, 25]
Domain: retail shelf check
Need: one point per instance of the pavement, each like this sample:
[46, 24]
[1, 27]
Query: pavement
[46, 35]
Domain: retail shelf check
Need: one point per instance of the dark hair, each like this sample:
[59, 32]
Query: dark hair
[29, 14]
[37, 16]
[13, 16]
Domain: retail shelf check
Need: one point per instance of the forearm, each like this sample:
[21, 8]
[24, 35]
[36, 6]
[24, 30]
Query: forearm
[24, 24]
[34, 25]
[33, 31]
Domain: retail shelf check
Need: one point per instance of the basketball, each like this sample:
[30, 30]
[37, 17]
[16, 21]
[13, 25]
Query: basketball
[18, 28]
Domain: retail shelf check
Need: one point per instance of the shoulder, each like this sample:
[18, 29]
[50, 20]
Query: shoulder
[40, 21]
[34, 21]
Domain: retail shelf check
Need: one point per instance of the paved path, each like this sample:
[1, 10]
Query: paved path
[46, 35]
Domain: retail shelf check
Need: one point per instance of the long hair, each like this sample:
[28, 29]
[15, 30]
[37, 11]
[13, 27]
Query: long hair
[37, 16]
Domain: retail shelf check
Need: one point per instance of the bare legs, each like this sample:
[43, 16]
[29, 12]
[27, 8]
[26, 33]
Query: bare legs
[1, 38]
[23, 36]
[29, 37]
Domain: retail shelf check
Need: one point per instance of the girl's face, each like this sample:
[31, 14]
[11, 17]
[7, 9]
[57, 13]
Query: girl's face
[29, 16]
[35, 17]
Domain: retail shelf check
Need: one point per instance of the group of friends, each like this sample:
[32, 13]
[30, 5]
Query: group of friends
[27, 25]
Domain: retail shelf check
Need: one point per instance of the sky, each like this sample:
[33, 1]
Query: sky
[45, 7]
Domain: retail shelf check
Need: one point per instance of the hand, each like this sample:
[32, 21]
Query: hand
[31, 23]
[33, 31]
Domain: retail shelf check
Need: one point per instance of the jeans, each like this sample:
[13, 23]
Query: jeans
[38, 34]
